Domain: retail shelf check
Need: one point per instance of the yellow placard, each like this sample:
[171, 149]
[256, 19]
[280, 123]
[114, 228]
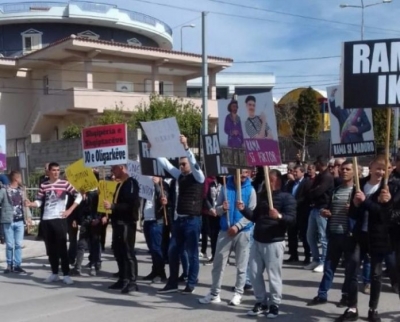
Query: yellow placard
[106, 192]
[82, 178]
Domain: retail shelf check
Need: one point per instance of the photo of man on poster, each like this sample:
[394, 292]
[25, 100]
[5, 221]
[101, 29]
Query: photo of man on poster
[353, 123]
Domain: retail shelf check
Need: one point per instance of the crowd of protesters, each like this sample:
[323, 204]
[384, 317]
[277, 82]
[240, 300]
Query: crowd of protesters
[317, 204]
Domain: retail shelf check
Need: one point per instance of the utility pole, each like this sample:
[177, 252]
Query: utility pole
[204, 73]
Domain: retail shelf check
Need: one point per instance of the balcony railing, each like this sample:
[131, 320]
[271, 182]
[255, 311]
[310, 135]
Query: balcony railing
[86, 6]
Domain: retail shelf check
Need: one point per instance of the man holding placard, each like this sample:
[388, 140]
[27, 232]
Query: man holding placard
[235, 233]
[125, 214]
[186, 227]
[271, 222]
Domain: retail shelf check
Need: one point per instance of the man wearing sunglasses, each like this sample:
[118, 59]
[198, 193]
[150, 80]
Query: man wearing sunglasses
[187, 224]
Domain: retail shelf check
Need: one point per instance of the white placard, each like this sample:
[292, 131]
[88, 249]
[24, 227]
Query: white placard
[146, 184]
[164, 136]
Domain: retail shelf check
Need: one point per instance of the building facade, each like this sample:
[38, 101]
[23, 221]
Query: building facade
[65, 63]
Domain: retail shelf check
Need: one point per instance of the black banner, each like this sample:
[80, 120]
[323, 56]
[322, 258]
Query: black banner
[353, 149]
[234, 158]
[150, 166]
[371, 73]
[212, 156]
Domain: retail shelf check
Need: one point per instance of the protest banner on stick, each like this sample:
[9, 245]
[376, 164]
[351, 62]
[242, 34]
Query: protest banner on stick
[238, 186]
[356, 174]
[387, 145]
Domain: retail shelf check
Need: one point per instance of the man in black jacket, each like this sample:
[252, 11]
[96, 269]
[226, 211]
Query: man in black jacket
[155, 218]
[269, 243]
[320, 195]
[125, 214]
[299, 189]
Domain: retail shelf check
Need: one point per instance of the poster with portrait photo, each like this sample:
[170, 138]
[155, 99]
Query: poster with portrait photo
[248, 133]
[352, 130]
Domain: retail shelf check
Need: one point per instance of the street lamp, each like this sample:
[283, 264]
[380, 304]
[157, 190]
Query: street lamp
[362, 7]
[185, 26]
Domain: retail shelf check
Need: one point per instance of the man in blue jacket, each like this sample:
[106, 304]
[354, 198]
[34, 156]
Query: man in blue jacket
[235, 232]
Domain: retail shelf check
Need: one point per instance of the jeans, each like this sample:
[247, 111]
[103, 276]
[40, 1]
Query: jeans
[317, 232]
[248, 282]
[153, 232]
[14, 235]
[336, 248]
[185, 236]
[357, 249]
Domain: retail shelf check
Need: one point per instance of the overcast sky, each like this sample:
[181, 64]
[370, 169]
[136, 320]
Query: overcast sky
[251, 34]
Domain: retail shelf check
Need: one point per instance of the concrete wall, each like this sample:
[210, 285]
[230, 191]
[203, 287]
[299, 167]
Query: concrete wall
[66, 152]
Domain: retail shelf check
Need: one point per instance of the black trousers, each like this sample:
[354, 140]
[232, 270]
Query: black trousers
[166, 236]
[73, 242]
[296, 230]
[89, 238]
[124, 238]
[214, 228]
[103, 236]
[55, 238]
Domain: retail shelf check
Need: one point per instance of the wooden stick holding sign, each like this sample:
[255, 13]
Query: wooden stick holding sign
[226, 199]
[238, 186]
[164, 208]
[387, 145]
[103, 170]
[268, 187]
[356, 174]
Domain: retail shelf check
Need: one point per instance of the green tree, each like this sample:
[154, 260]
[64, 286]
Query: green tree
[116, 116]
[188, 115]
[307, 124]
[379, 117]
[72, 131]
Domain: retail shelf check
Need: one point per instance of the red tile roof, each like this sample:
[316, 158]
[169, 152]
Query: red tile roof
[124, 45]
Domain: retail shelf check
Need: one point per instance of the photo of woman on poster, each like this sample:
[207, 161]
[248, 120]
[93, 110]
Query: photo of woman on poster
[256, 125]
[233, 126]
[353, 123]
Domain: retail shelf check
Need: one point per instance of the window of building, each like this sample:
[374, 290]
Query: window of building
[89, 34]
[123, 86]
[31, 40]
[134, 42]
[46, 85]
[166, 88]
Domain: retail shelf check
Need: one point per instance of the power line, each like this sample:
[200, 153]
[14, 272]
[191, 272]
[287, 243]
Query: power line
[298, 15]
[284, 60]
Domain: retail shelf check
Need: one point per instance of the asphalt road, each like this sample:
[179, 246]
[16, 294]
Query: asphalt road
[28, 299]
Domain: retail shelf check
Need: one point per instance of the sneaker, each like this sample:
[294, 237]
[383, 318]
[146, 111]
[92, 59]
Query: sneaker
[119, 285]
[210, 298]
[168, 289]
[367, 289]
[348, 315]
[258, 309]
[311, 266]
[67, 280]
[292, 259]
[248, 287]
[8, 270]
[317, 301]
[343, 301]
[19, 270]
[75, 272]
[236, 299]
[188, 290]
[159, 280]
[52, 278]
[209, 262]
[319, 269]
[373, 316]
[182, 279]
[273, 312]
[92, 271]
[149, 277]
[130, 287]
